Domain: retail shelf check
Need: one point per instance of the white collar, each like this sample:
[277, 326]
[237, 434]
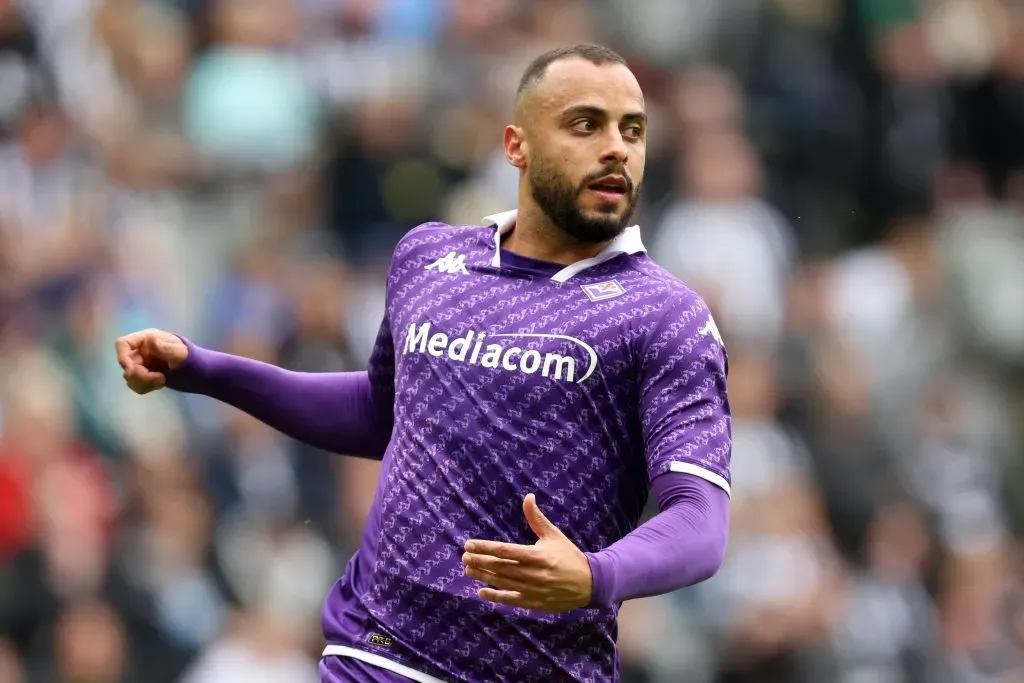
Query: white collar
[628, 242]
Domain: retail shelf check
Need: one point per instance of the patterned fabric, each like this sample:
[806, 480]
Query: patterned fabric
[506, 383]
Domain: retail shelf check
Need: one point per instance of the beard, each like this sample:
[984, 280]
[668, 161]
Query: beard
[558, 198]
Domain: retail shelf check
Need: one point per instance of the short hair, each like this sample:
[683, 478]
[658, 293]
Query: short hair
[595, 54]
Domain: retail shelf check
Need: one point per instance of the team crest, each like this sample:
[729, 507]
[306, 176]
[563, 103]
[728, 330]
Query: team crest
[603, 290]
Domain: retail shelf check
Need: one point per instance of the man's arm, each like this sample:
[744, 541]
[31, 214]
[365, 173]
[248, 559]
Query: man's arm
[682, 545]
[334, 411]
[349, 413]
[343, 412]
[687, 427]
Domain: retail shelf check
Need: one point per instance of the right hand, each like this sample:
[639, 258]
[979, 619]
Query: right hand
[147, 356]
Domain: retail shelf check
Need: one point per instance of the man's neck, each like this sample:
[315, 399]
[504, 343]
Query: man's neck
[535, 236]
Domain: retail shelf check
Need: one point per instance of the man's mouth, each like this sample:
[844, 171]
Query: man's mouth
[613, 185]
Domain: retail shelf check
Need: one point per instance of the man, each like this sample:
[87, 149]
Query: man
[532, 381]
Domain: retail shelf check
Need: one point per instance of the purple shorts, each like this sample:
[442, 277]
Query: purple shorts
[335, 669]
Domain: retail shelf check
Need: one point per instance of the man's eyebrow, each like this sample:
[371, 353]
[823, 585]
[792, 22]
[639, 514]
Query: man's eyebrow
[585, 110]
[599, 113]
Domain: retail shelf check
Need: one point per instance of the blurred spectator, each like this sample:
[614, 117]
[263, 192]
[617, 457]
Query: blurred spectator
[24, 76]
[885, 628]
[264, 649]
[167, 557]
[770, 601]
[91, 645]
[11, 668]
[247, 104]
[721, 237]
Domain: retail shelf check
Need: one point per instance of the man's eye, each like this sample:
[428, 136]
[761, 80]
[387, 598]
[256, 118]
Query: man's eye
[584, 126]
[635, 131]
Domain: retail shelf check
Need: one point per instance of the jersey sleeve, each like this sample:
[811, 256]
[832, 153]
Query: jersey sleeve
[684, 405]
[381, 368]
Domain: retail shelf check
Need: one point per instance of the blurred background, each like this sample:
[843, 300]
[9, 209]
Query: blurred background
[842, 180]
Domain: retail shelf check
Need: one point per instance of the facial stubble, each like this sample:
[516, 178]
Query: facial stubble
[558, 198]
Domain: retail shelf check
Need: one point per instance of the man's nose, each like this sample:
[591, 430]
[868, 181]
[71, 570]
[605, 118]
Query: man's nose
[616, 151]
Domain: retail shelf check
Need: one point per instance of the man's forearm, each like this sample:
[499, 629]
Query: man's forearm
[682, 545]
[332, 411]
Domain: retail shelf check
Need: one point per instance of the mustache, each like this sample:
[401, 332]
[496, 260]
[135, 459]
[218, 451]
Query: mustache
[607, 171]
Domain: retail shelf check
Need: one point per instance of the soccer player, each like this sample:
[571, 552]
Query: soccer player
[534, 380]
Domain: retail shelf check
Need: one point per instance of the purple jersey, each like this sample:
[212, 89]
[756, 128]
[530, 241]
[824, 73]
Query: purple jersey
[509, 376]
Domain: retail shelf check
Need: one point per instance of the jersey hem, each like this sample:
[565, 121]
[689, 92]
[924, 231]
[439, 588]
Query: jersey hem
[380, 662]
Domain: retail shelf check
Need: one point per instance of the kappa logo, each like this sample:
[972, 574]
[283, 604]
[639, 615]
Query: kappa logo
[603, 290]
[711, 328]
[450, 263]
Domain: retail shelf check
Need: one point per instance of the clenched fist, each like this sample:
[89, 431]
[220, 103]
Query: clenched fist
[147, 356]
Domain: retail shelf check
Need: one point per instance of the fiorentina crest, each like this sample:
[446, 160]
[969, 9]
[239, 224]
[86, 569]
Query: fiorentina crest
[603, 290]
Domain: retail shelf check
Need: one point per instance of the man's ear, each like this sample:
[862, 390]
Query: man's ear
[516, 147]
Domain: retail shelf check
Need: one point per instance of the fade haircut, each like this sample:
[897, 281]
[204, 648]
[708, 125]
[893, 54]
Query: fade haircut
[595, 54]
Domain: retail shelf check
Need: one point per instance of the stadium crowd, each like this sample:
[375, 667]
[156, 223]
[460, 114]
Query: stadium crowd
[842, 180]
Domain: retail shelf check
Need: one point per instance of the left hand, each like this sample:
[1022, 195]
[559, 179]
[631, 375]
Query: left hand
[552, 575]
